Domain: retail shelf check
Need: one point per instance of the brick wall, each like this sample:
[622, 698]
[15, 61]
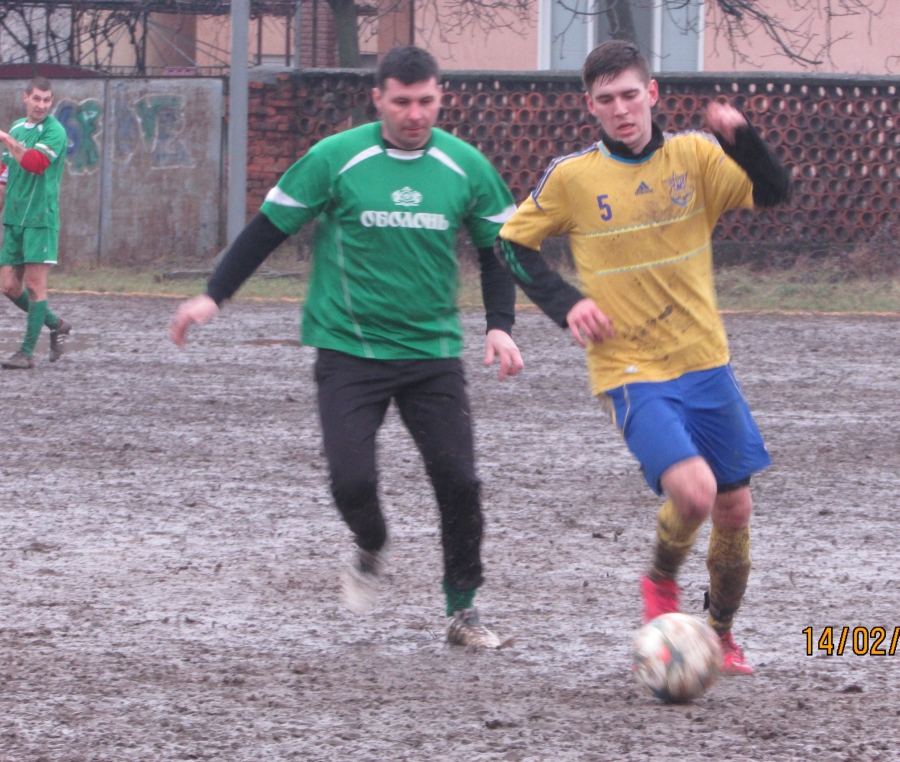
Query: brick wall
[838, 135]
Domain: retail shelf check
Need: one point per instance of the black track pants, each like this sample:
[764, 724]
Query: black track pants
[354, 394]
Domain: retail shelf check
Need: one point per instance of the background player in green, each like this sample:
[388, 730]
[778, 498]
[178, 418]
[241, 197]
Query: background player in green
[388, 199]
[33, 159]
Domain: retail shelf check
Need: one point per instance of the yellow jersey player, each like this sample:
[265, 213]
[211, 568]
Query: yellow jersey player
[639, 209]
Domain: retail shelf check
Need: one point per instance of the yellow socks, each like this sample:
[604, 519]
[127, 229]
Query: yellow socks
[729, 564]
[675, 536]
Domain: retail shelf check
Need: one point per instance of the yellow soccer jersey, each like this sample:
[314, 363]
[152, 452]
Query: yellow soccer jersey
[640, 232]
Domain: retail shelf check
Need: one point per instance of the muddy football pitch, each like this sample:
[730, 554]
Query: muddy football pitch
[170, 557]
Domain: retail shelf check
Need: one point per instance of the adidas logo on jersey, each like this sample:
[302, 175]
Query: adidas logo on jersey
[643, 188]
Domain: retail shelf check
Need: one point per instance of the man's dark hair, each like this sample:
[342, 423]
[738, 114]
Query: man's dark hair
[38, 83]
[409, 65]
[609, 59]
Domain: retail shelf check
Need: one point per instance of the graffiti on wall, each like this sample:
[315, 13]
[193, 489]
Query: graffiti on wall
[155, 122]
[82, 125]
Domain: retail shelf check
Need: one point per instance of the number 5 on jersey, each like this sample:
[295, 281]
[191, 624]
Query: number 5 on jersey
[605, 209]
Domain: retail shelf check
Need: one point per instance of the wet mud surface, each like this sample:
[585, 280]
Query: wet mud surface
[170, 558]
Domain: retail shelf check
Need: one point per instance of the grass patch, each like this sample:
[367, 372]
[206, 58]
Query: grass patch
[740, 288]
[821, 286]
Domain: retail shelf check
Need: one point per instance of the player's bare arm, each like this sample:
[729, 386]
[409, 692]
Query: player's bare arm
[499, 345]
[587, 322]
[15, 148]
[725, 119]
[197, 311]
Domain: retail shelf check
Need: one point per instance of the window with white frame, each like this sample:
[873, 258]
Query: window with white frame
[669, 32]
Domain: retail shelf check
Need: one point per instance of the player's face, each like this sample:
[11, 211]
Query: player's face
[37, 105]
[622, 105]
[408, 112]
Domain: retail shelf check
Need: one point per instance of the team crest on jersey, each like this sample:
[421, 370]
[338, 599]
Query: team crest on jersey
[642, 189]
[680, 190]
[406, 197]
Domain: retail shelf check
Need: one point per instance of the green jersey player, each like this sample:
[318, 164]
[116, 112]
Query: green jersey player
[388, 199]
[33, 157]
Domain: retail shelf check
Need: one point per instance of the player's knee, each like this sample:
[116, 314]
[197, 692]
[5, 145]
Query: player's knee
[733, 509]
[692, 488]
[353, 490]
[459, 484]
[695, 500]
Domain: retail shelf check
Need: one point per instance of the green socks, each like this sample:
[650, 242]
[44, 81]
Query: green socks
[37, 312]
[51, 320]
[457, 600]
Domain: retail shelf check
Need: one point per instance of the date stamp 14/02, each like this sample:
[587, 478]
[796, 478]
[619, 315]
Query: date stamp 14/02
[862, 641]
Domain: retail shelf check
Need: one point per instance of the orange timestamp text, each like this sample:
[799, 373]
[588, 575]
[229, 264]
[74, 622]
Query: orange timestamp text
[860, 641]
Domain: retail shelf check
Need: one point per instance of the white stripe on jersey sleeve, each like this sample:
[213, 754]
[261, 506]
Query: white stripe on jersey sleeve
[361, 156]
[438, 154]
[503, 216]
[46, 149]
[278, 196]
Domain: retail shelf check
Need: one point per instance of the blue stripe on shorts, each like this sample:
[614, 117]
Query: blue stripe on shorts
[701, 413]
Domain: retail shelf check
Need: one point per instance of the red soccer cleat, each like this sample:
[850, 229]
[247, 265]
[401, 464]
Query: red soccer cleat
[733, 661]
[659, 597]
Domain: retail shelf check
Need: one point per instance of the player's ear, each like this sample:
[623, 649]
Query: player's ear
[653, 90]
[376, 98]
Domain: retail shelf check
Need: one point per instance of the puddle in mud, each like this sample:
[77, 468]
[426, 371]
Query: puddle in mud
[273, 343]
[77, 341]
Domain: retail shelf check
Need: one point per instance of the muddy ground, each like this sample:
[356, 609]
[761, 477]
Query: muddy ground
[170, 557]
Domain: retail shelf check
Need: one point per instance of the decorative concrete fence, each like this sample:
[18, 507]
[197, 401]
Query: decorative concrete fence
[838, 135]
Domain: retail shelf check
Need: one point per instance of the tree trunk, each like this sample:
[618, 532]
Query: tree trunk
[347, 32]
[621, 23]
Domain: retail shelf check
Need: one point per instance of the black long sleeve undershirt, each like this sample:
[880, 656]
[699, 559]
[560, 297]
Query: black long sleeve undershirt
[261, 237]
[249, 250]
[771, 181]
[498, 290]
[545, 287]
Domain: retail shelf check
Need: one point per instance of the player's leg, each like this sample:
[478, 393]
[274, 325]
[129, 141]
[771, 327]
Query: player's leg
[354, 394]
[651, 419]
[36, 286]
[728, 562]
[13, 286]
[12, 272]
[723, 427]
[59, 329]
[435, 408]
[12, 280]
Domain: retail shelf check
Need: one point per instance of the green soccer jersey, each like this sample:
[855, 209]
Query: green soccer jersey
[32, 201]
[384, 274]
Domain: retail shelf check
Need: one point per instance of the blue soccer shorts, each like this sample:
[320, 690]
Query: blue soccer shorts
[701, 413]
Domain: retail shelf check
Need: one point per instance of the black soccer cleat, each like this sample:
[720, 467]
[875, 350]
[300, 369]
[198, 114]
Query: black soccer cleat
[58, 338]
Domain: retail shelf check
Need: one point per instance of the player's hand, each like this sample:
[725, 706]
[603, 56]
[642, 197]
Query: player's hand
[500, 344]
[724, 119]
[199, 310]
[588, 323]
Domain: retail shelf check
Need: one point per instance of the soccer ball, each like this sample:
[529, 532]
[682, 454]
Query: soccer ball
[676, 657]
